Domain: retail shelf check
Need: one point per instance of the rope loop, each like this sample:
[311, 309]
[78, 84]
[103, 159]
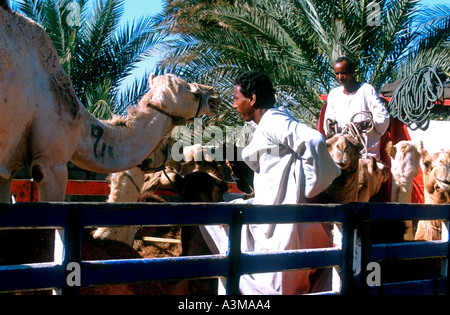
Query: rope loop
[416, 96]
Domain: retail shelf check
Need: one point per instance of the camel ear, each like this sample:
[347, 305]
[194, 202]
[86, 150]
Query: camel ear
[150, 80]
[373, 161]
[171, 82]
[421, 150]
[356, 141]
[391, 149]
[331, 141]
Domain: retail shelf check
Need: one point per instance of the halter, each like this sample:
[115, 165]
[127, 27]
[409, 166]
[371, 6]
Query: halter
[176, 120]
[353, 131]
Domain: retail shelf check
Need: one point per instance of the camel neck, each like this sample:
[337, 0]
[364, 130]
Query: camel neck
[106, 148]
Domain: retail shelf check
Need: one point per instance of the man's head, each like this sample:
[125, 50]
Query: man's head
[253, 91]
[344, 68]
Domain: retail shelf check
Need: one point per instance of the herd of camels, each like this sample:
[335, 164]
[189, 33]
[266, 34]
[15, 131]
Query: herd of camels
[43, 125]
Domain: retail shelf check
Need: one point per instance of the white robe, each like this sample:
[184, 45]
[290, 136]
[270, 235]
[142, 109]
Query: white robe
[342, 107]
[291, 162]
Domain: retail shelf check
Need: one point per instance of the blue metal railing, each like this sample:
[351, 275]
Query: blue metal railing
[72, 218]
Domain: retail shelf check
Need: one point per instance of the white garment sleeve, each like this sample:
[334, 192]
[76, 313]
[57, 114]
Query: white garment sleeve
[309, 144]
[379, 112]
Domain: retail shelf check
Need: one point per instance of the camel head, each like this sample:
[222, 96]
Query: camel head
[179, 98]
[405, 159]
[200, 186]
[376, 169]
[436, 171]
[345, 150]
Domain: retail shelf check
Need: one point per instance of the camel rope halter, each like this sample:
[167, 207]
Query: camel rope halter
[353, 131]
[177, 120]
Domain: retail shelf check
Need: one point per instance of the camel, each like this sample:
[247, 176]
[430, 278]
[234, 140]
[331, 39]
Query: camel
[127, 186]
[405, 163]
[345, 151]
[195, 159]
[436, 180]
[372, 173]
[44, 125]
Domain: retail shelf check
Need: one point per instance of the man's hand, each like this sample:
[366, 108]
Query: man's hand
[331, 126]
[363, 125]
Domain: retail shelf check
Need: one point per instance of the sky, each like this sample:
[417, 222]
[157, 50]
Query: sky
[134, 9]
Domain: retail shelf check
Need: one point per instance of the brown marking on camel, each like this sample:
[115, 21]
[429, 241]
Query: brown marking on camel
[44, 125]
[436, 179]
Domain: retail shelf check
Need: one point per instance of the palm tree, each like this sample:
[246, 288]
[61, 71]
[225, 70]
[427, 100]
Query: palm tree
[296, 42]
[93, 50]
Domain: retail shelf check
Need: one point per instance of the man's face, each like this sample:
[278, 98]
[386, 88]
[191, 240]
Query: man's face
[243, 105]
[343, 75]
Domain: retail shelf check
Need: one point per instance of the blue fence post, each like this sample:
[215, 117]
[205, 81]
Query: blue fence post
[348, 249]
[72, 248]
[234, 255]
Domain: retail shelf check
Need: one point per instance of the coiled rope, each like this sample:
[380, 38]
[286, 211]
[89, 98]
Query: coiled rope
[416, 96]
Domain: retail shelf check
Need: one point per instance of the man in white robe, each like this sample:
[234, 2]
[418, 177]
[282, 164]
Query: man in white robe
[353, 97]
[291, 163]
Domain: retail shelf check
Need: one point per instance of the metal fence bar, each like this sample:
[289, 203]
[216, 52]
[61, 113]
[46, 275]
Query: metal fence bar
[72, 218]
[368, 213]
[290, 260]
[138, 270]
[37, 276]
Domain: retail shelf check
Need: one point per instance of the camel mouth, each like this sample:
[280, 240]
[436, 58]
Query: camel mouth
[214, 105]
[443, 184]
[342, 165]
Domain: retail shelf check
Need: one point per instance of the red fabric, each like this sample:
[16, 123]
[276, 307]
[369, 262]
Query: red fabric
[321, 122]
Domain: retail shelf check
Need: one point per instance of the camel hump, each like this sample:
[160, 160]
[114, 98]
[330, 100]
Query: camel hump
[30, 38]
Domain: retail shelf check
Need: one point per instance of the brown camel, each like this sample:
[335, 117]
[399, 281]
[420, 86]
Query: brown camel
[436, 179]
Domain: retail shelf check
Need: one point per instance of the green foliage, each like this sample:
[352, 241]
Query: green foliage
[296, 42]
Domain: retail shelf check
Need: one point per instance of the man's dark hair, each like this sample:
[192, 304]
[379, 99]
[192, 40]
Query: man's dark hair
[258, 83]
[350, 63]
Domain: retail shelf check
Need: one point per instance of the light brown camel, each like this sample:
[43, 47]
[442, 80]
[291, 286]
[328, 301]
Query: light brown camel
[126, 186]
[436, 180]
[372, 173]
[405, 166]
[345, 151]
[43, 124]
